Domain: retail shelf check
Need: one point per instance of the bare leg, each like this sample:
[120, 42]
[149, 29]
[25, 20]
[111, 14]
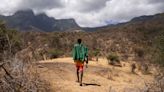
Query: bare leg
[77, 72]
[81, 78]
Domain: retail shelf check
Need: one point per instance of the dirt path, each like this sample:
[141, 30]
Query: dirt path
[98, 77]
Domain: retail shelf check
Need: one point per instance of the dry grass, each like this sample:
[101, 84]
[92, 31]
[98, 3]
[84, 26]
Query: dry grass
[19, 76]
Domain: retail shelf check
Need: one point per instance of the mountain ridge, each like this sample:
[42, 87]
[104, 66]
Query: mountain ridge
[27, 20]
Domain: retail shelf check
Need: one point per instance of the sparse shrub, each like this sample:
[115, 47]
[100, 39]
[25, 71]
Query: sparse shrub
[144, 67]
[113, 58]
[91, 54]
[158, 83]
[159, 54]
[96, 53]
[125, 57]
[133, 67]
[10, 40]
[55, 42]
[139, 52]
[17, 75]
[53, 53]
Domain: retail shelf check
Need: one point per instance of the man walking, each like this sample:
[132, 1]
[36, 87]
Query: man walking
[80, 55]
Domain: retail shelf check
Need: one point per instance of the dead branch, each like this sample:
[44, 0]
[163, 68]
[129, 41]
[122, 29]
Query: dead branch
[7, 73]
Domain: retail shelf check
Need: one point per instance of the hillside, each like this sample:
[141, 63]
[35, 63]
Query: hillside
[125, 39]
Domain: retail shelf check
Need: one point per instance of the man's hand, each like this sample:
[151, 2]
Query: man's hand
[86, 65]
[86, 62]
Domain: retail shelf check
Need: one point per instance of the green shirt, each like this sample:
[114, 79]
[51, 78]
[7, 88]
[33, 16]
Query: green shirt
[80, 52]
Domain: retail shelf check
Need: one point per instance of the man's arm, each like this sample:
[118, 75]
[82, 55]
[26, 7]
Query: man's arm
[86, 56]
[74, 53]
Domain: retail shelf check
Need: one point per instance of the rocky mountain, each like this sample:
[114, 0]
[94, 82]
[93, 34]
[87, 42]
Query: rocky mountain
[27, 20]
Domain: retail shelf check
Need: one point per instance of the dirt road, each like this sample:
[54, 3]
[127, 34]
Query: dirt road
[98, 77]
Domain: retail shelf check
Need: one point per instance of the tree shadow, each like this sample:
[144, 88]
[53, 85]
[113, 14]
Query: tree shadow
[91, 84]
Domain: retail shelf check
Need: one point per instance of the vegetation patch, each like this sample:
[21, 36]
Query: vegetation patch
[113, 59]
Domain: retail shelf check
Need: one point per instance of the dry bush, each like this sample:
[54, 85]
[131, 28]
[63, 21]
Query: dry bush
[19, 76]
[113, 59]
[133, 67]
[54, 53]
[139, 52]
[156, 86]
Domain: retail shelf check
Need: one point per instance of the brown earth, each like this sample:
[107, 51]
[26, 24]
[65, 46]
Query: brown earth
[98, 77]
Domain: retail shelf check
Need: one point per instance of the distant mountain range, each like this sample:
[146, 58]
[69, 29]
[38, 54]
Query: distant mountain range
[27, 21]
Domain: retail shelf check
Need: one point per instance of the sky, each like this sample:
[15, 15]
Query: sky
[87, 13]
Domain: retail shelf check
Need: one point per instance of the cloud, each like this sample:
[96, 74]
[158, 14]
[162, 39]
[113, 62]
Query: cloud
[8, 6]
[126, 10]
[155, 1]
[40, 4]
[87, 5]
[87, 12]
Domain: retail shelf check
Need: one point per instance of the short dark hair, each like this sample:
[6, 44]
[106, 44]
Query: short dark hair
[79, 41]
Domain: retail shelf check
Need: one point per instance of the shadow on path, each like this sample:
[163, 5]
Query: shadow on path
[91, 84]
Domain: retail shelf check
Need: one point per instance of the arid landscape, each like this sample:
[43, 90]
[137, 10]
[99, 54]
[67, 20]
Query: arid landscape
[41, 61]
[124, 56]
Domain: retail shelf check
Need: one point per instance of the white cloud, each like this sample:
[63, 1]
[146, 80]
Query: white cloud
[8, 6]
[87, 12]
[41, 4]
[87, 5]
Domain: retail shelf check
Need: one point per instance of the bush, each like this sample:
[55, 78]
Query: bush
[159, 51]
[53, 53]
[20, 76]
[113, 58]
[96, 52]
[10, 40]
[139, 52]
